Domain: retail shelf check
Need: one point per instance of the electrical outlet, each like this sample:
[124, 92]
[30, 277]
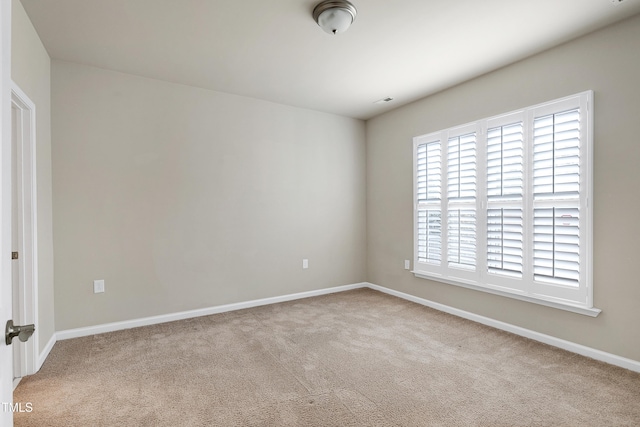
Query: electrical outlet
[98, 286]
[305, 263]
[407, 264]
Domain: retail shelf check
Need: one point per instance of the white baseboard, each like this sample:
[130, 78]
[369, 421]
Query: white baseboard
[46, 350]
[612, 359]
[154, 320]
[592, 353]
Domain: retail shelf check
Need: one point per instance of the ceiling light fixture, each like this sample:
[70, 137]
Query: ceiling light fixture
[334, 16]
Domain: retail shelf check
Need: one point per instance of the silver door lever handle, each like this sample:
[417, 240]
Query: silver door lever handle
[22, 332]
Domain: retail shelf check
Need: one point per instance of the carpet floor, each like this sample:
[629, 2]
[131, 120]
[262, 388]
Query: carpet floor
[357, 358]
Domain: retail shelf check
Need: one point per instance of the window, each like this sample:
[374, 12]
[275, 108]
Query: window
[503, 204]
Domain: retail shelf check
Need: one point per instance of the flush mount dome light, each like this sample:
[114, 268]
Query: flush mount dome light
[334, 16]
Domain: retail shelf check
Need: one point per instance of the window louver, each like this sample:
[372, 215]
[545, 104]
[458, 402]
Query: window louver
[429, 193]
[505, 161]
[462, 238]
[429, 236]
[556, 158]
[505, 186]
[557, 246]
[556, 176]
[461, 167]
[502, 204]
[505, 241]
[429, 171]
[461, 194]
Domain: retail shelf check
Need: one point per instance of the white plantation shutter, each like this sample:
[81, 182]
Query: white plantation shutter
[461, 195]
[505, 239]
[556, 181]
[462, 238]
[557, 246]
[505, 191]
[461, 168]
[429, 236]
[429, 172]
[502, 204]
[556, 159]
[428, 196]
[505, 161]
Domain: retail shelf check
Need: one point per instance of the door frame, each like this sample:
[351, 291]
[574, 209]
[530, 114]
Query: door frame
[27, 229]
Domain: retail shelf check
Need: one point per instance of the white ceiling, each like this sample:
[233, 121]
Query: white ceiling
[273, 50]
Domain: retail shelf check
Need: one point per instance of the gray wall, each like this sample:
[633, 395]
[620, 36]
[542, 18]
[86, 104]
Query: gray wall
[30, 70]
[608, 62]
[183, 198]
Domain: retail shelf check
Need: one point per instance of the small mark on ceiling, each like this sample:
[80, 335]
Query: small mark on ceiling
[384, 100]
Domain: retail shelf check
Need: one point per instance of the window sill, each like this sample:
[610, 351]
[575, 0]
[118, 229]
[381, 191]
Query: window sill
[592, 312]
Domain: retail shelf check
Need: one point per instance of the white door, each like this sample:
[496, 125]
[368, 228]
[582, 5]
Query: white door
[23, 229]
[6, 352]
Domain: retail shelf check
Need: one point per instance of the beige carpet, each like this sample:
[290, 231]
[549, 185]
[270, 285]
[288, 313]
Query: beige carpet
[359, 358]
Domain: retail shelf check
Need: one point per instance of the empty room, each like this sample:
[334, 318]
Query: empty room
[320, 213]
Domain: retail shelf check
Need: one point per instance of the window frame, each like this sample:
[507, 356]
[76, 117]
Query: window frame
[576, 299]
